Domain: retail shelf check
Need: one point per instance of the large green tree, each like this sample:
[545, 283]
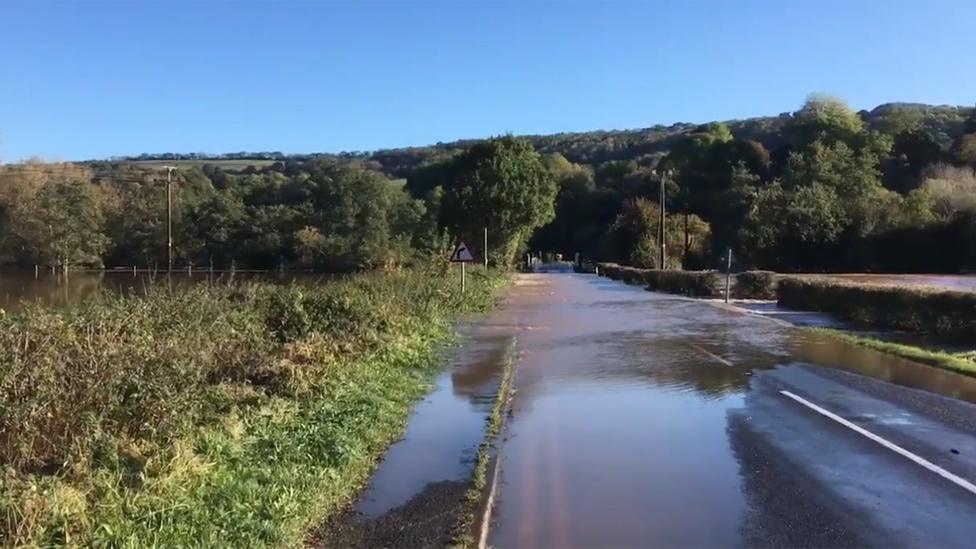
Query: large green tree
[502, 185]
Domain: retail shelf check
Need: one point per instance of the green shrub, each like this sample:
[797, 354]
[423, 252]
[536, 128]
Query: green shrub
[215, 415]
[755, 285]
[944, 314]
[690, 283]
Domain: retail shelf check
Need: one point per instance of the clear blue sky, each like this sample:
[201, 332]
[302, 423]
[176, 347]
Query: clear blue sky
[94, 79]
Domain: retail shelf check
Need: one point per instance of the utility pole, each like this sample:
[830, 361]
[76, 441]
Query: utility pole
[661, 230]
[169, 217]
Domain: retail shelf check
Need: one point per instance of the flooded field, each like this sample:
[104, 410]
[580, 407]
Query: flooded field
[959, 283]
[643, 419]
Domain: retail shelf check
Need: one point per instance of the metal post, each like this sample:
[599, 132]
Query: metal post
[486, 248]
[662, 230]
[462, 277]
[728, 276]
[37, 270]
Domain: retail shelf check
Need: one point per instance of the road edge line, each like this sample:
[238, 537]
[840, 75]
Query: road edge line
[918, 460]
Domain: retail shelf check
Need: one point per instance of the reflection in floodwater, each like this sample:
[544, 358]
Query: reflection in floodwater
[446, 428]
[827, 351]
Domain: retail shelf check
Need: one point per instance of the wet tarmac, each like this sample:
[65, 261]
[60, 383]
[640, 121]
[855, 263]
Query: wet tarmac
[648, 420]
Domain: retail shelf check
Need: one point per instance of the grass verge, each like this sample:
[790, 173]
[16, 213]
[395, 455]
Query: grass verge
[215, 416]
[964, 363]
[474, 497]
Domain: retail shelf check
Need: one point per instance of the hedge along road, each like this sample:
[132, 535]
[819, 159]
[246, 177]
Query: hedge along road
[644, 419]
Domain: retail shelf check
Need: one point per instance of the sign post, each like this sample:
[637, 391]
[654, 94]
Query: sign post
[462, 255]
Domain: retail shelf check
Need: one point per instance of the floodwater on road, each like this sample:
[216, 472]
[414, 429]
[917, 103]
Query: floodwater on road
[445, 429]
[414, 496]
[633, 425]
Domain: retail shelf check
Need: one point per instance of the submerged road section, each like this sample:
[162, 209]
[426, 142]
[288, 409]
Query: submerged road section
[647, 420]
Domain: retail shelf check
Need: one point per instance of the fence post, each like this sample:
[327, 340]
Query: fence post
[728, 276]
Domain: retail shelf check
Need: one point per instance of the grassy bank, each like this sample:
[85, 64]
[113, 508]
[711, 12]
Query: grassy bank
[215, 416]
[945, 315]
[964, 363]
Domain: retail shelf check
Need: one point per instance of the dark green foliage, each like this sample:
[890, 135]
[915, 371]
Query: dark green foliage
[148, 421]
[316, 214]
[755, 285]
[689, 283]
[501, 185]
[946, 315]
[822, 188]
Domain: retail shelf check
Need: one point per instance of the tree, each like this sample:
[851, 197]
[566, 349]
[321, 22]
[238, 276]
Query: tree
[951, 189]
[912, 151]
[823, 118]
[964, 151]
[969, 126]
[634, 237]
[64, 225]
[501, 184]
[794, 228]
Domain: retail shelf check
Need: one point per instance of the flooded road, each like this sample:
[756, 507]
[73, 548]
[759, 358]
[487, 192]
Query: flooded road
[413, 497]
[648, 420]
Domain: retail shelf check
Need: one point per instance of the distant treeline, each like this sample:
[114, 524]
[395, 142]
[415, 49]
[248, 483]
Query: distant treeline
[819, 189]
[320, 214]
[822, 188]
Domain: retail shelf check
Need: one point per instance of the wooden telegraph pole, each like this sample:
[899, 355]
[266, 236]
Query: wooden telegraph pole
[169, 217]
[661, 230]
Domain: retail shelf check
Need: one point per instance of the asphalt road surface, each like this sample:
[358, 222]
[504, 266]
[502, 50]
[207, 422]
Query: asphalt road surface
[647, 420]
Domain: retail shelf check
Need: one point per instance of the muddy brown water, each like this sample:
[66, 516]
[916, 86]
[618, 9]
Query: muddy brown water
[414, 497]
[621, 431]
[959, 283]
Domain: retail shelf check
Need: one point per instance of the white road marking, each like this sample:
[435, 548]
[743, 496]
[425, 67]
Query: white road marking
[955, 479]
[706, 352]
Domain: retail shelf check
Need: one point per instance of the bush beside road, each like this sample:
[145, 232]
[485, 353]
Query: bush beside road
[215, 416]
[946, 315]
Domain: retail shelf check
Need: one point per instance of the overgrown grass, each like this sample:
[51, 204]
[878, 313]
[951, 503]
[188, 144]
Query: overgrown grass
[964, 363]
[464, 530]
[214, 416]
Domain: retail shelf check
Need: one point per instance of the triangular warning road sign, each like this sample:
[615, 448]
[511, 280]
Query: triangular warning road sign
[461, 254]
